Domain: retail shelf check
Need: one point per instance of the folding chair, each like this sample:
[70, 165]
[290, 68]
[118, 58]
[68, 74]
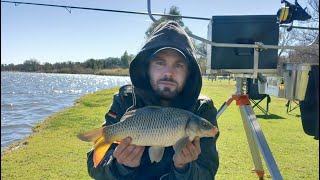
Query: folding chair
[256, 98]
[289, 106]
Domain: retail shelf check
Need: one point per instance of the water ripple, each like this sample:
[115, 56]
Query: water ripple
[27, 98]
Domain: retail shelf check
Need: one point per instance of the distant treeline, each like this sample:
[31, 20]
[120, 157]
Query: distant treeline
[90, 66]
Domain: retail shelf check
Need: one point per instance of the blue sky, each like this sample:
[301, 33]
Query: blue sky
[51, 34]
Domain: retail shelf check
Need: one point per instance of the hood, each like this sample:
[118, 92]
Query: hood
[168, 34]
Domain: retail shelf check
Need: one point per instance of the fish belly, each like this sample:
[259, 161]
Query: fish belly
[156, 139]
[159, 129]
[148, 135]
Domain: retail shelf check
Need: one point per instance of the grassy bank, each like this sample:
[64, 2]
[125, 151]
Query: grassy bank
[54, 152]
[113, 72]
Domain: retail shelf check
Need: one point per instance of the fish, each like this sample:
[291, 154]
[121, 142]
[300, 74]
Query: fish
[154, 126]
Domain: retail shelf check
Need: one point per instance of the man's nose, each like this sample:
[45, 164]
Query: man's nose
[168, 71]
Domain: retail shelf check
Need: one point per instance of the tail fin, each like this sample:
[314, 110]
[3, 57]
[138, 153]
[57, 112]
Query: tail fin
[101, 143]
[92, 135]
[101, 146]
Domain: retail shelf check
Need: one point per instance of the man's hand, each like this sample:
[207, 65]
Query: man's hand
[128, 155]
[189, 153]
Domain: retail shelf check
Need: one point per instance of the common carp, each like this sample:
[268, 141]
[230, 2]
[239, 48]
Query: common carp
[154, 126]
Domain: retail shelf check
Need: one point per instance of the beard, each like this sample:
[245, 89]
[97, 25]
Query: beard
[165, 93]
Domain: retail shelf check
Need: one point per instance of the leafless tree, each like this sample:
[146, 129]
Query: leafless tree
[302, 37]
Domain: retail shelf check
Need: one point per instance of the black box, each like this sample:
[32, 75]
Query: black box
[242, 30]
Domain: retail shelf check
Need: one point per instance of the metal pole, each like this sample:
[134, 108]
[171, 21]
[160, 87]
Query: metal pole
[255, 153]
[248, 113]
[259, 46]
[255, 135]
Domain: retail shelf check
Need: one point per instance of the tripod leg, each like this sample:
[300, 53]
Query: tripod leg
[255, 153]
[224, 107]
[249, 116]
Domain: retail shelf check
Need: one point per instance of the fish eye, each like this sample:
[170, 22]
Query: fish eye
[204, 124]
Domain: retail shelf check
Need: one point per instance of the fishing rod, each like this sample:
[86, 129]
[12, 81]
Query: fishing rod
[129, 12]
[106, 10]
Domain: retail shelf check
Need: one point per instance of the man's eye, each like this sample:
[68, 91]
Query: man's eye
[179, 65]
[159, 63]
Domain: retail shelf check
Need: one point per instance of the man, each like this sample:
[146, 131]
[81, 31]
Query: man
[164, 73]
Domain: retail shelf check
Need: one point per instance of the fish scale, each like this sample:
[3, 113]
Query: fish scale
[153, 126]
[160, 129]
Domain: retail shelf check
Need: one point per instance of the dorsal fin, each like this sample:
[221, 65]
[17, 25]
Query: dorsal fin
[128, 114]
[148, 109]
[144, 110]
[153, 107]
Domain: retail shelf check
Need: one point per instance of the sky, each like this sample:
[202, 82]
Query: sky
[53, 34]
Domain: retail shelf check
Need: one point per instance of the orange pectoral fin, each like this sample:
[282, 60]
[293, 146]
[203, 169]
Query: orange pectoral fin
[117, 141]
[101, 146]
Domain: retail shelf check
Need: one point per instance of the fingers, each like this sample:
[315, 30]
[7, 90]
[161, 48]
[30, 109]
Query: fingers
[139, 154]
[135, 152]
[197, 145]
[124, 144]
[129, 155]
[188, 153]
[192, 152]
[125, 154]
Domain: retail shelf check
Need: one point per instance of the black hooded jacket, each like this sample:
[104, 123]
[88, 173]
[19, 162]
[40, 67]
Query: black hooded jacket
[167, 34]
[140, 94]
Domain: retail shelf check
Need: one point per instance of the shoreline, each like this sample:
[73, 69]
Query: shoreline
[53, 151]
[103, 72]
[37, 128]
[42, 98]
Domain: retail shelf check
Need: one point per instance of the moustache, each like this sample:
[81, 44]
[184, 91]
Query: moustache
[168, 79]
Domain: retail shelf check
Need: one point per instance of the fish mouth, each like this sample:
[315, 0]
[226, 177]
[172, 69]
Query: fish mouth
[213, 132]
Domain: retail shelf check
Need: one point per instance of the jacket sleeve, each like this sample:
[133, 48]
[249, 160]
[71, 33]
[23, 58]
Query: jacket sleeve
[206, 166]
[109, 168]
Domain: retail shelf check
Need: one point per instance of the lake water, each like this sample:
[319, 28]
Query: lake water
[28, 98]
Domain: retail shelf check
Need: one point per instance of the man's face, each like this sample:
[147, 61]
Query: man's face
[168, 71]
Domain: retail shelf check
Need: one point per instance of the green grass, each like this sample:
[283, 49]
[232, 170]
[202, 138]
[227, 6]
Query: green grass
[113, 72]
[54, 152]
